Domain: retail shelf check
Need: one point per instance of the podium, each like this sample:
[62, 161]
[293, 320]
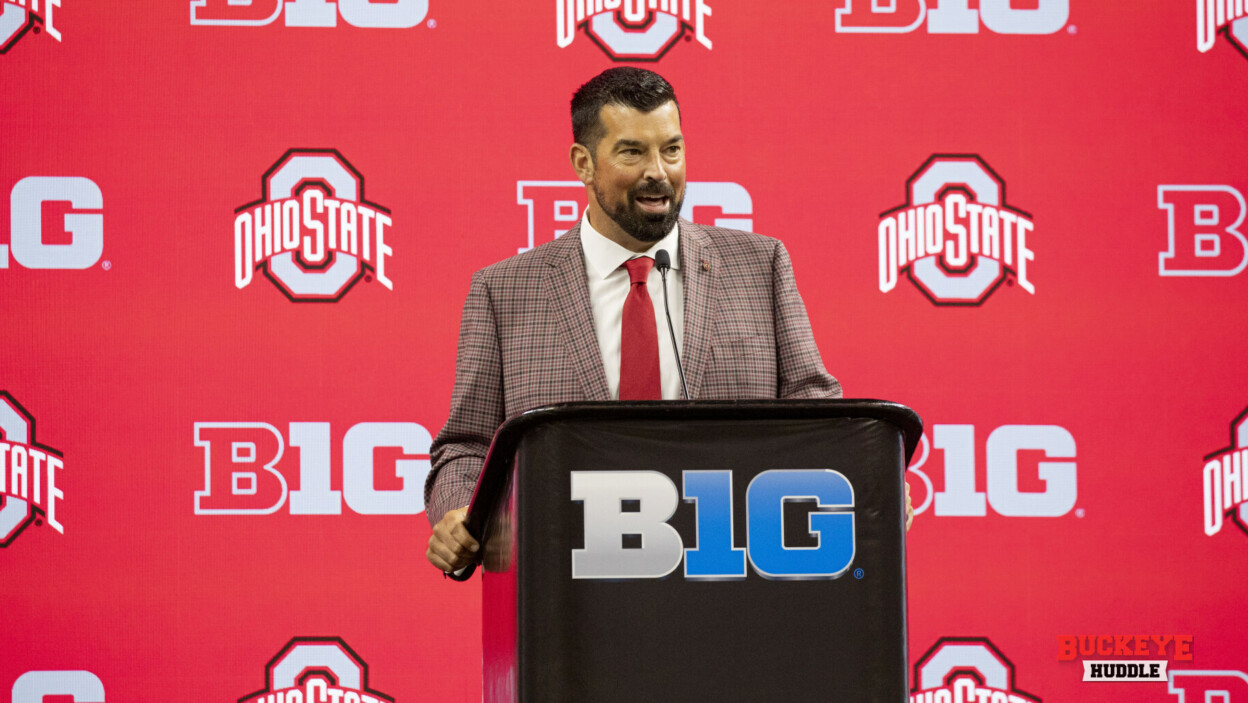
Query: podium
[696, 551]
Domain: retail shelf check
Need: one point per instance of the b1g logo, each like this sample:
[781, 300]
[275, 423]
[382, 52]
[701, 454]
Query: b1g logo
[79, 686]
[312, 232]
[316, 670]
[951, 16]
[1226, 480]
[1006, 450]
[82, 222]
[636, 505]
[17, 17]
[553, 207]
[1192, 686]
[632, 30]
[392, 14]
[27, 473]
[1226, 17]
[966, 670]
[241, 475]
[1202, 235]
[955, 237]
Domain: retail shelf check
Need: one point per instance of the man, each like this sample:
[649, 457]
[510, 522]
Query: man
[580, 318]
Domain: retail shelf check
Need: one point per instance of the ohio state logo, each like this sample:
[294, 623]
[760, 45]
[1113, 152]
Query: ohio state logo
[955, 237]
[1226, 480]
[312, 232]
[966, 670]
[316, 670]
[553, 207]
[1202, 235]
[632, 30]
[1226, 17]
[17, 17]
[27, 473]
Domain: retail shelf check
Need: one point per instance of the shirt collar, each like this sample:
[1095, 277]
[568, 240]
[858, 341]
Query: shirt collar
[605, 256]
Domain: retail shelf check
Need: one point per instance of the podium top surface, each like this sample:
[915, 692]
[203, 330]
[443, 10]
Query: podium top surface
[905, 419]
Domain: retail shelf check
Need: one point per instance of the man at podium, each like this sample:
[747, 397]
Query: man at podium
[585, 317]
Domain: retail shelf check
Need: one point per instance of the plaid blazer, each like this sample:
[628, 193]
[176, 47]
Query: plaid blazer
[527, 339]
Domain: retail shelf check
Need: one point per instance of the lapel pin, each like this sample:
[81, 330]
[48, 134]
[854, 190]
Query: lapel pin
[706, 266]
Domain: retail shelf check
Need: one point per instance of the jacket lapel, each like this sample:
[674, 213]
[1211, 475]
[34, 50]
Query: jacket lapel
[568, 292]
[701, 280]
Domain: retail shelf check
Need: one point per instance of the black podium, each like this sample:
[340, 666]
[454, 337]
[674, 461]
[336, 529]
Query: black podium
[696, 551]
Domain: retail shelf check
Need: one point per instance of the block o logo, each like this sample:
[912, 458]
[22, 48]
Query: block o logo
[955, 237]
[314, 669]
[312, 232]
[966, 669]
[632, 30]
[27, 473]
[16, 19]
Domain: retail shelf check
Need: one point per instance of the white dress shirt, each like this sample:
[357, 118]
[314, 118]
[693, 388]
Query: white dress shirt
[609, 286]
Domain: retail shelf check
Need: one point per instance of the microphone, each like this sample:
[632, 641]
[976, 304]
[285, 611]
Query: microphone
[663, 262]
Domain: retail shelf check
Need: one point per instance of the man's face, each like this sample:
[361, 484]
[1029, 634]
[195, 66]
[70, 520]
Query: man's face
[639, 171]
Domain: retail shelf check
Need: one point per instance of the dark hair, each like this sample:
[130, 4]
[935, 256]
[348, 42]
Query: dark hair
[631, 87]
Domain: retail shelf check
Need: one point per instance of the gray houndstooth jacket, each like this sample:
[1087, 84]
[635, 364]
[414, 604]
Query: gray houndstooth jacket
[527, 339]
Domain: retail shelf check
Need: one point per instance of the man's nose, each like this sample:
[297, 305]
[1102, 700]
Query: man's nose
[654, 170]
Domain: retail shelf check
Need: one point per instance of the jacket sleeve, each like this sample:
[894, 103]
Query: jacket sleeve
[801, 371]
[458, 452]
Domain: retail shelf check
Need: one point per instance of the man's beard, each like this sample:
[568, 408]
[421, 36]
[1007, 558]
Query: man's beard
[644, 226]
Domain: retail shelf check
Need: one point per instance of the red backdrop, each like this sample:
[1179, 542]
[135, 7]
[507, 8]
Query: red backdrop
[1070, 411]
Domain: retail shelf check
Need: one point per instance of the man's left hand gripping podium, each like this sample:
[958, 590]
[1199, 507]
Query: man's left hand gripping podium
[677, 551]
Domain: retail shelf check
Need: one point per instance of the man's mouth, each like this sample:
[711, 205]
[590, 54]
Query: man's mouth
[653, 203]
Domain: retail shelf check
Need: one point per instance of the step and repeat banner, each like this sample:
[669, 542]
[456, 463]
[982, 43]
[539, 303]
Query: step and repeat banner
[236, 236]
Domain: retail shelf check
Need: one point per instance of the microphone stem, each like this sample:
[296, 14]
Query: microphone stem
[672, 331]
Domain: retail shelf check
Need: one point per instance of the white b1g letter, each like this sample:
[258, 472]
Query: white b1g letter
[26, 217]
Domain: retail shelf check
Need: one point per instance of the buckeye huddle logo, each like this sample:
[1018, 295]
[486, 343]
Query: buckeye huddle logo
[633, 30]
[1226, 17]
[955, 237]
[316, 670]
[965, 670]
[1226, 480]
[311, 232]
[27, 473]
[17, 17]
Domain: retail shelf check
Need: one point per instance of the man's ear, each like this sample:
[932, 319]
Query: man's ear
[582, 163]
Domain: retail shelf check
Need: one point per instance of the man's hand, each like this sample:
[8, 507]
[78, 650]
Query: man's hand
[909, 509]
[451, 548]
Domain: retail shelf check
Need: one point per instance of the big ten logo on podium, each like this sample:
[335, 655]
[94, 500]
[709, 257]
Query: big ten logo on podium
[1020, 477]
[627, 535]
[248, 471]
[389, 14]
[553, 207]
[951, 16]
[966, 670]
[17, 17]
[633, 30]
[316, 670]
[1202, 231]
[55, 222]
[40, 686]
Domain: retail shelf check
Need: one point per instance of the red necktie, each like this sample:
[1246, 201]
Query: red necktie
[639, 338]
